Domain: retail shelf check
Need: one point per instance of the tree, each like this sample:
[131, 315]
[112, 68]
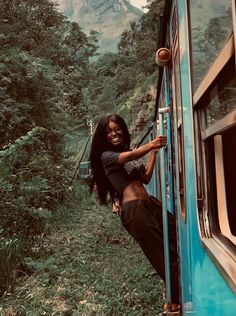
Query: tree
[44, 67]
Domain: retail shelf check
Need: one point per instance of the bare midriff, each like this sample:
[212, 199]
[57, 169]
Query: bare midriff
[135, 191]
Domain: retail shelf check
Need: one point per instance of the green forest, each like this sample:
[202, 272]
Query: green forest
[52, 83]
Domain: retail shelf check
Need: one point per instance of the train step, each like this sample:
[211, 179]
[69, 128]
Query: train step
[171, 310]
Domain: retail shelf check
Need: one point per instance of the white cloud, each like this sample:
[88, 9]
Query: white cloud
[138, 3]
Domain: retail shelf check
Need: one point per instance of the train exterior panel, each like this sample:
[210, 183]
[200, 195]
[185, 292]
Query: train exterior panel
[198, 89]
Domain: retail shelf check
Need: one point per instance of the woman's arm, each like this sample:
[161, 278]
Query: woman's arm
[150, 166]
[141, 151]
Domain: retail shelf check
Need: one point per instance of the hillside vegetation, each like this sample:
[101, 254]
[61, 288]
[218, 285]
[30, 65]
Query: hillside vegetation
[49, 90]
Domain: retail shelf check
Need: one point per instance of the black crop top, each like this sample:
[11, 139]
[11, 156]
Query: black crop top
[121, 175]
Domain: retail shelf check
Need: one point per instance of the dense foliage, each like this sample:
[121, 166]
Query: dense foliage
[44, 66]
[48, 90]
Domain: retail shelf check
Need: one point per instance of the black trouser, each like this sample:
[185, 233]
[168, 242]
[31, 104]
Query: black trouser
[143, 220]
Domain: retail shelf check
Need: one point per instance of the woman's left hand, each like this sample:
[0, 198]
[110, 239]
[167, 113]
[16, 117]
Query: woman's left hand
[158, 142]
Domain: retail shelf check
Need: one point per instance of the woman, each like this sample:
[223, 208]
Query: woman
[119, 171]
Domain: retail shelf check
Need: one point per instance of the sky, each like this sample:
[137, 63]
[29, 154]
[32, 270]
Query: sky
[138, 3]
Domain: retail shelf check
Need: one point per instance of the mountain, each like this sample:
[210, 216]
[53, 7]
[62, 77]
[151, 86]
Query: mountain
[108, 17]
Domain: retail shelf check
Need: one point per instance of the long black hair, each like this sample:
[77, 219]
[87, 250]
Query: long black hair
[99, 145]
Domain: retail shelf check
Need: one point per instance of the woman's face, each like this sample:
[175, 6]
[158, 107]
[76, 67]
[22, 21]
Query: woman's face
[115, 135]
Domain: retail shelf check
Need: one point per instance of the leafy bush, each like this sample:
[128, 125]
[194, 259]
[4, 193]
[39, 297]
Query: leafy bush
[32, 182]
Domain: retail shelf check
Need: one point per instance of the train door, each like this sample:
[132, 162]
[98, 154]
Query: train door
[165, 163]
[176, 32]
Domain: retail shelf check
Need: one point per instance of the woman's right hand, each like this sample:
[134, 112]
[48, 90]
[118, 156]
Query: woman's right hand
[158, 142]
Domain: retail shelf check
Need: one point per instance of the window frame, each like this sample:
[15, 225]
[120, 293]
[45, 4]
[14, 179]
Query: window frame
[215, 69]
[215, 134]
[219, 243]
[221, 248]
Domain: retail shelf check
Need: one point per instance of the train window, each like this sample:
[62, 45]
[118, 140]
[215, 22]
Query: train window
[222, 100]
[220, 135]
[215, 115]
[211, 27]
[222, 183]
[83, 171]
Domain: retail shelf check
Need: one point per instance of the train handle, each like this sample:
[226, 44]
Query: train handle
[162, 113]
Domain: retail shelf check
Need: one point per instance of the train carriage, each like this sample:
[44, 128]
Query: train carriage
[196, 109]
[84, 170]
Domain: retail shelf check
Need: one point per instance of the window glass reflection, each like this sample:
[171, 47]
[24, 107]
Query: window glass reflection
[223, 100]
[211, 26]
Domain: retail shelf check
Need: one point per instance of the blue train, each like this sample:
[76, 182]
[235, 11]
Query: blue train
[84, 171]
[195, 175]
[196, 109]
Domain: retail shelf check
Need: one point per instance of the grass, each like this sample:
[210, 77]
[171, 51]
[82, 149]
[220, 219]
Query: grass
[88, 265]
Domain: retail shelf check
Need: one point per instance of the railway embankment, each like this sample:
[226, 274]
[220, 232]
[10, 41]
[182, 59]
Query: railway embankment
[86, 264]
